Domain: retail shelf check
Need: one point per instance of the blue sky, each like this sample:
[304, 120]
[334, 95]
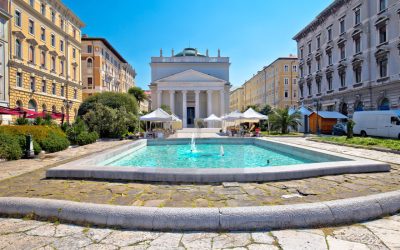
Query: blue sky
[252, 33]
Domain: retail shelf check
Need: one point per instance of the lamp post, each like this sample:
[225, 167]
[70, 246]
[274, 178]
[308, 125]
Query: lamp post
[67, 105]
[316, 103]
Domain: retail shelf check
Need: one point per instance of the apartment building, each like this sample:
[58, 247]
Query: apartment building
[236, 97]
[4, 41]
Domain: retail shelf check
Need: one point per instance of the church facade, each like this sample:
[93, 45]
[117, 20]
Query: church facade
[191, 84]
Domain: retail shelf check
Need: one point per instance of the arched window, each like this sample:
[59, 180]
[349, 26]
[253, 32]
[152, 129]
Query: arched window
[344, 109]
[32, 105]
[384, 104]
[31, 54]
[89, 63]
[18, 48]
[44, 107]
[19, 104]
[359, 106]
[43, 58]
[53, 63]
[54, 109]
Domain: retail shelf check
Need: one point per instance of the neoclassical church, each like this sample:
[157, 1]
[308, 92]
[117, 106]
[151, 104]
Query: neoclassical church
[193, 85]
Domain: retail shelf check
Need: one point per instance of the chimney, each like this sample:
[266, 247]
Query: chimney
[172, 52]
[161, 52]
[207, 52]
[219, 53]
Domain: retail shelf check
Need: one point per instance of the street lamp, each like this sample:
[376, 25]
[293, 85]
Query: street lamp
[316, 103]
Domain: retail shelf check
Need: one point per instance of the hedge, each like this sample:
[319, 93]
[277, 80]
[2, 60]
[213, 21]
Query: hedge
[85, 138]
[9, 147]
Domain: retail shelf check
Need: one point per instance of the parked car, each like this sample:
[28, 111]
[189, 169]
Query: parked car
[339, 129]
[377, 123]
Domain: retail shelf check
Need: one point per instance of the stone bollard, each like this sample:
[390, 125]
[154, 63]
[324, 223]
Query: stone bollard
[29, 153]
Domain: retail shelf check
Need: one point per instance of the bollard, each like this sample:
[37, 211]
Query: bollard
[29, 153]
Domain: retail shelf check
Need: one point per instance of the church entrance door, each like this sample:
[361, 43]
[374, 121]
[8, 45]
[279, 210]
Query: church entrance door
[190, 117]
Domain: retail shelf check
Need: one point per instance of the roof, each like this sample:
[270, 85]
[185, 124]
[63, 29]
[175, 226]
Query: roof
[331, 115]
[107, 44]
[189, 52]
[157, 115]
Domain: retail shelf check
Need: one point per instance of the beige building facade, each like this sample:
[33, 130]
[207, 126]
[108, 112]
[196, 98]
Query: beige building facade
[103, 68]
[45, 52]
[275, 85]
[236, 99]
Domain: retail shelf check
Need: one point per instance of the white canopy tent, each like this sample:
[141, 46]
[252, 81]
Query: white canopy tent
[212, 119]
[253, 115]
[159, 116]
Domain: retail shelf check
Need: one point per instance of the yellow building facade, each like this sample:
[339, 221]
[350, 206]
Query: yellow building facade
[103, 68]
[45, 57]
[236, 98]
[275, 85]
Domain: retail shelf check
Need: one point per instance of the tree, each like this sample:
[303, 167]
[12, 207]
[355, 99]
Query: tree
[266, 110]
[166, 108]
[138, 93]
[110, 99]
[280, 119]
[350, 127]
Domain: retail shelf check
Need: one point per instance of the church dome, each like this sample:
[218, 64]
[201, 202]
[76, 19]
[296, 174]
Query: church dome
[189, 52]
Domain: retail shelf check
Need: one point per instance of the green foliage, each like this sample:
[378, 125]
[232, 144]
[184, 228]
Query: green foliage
[85, 138]
[166, 108]
[266, 110]
[22, 143]
[350, 127]
[9, 147]
[76, 129]
[138, 93]
[111, 100]
[108, 122]
[281, 120]
[364, 141]
[54, 143]
[21, 121]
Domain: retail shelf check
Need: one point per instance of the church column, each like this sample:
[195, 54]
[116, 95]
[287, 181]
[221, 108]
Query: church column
[184, 109]
[159, 93]
[172, 100]
[209, 102]
[222, 97]
[197, 104]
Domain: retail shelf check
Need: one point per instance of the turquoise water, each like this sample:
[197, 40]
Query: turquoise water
[207, 156]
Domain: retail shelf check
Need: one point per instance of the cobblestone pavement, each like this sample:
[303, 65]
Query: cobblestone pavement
[324, 188]
[10, 169]
[29, 234]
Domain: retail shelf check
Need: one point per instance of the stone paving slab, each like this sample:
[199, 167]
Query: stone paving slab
[29, 234]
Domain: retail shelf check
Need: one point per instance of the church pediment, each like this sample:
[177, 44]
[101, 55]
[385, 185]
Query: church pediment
[190, 76]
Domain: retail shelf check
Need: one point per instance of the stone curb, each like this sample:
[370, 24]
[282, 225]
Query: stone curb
[208, 219]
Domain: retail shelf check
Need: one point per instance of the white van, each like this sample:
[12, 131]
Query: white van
[384, 123]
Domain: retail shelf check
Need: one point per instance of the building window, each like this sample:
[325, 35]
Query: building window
[61, 45]
[382, 5]
[294, 93]
[32, 83]
[44, 87]
[286, 94]
[74, 32]
[43, 34]
[382, 34]
[31, 27]
[53, 16]
[329, 81]
[342, 76]
[53, 40]
[318, 64]
[309, 68]
[43, 59]
[32, 3]
[294, 68]
[318, 42]
[383, 68]
[342, 52]
[294, 81]
[357, 74]
[18, 48]
[43, 9]
[89, 49]
[53, 63]
[31, 54]
[90, 82]
[75, 94]
[90, 63]
[329, 34]
[62, 24]
[74, 53]
[301, 91]
[309, 48]
[309, 87]
[318, 86]
[53, 88]
[286, 80]
[357, 44]
[32, 105]
[301, 71]
[357, 16]
[62, 67]
[342, 26]
[18, 18]
[74, 73]
[286, 68]
[19, 79]
[301, 53]
[62, 90]
[330, 62]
